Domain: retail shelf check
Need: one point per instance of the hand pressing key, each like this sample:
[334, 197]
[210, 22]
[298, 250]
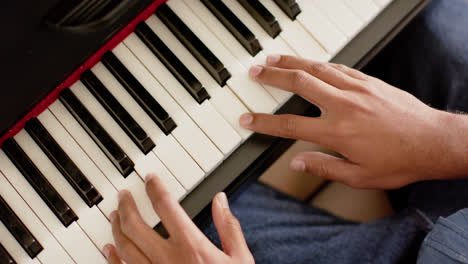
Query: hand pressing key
[388, 137]
[138, 243]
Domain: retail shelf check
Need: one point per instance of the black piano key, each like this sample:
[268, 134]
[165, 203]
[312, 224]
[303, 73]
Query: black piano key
[263, 17]
[64, 164]
[112, 150]
[139, 93]
[177, 68]
[115, 109]
[211, 63]
[32, 174]
[234, 25]
[290, 7]
[5, 257]
[19, 230]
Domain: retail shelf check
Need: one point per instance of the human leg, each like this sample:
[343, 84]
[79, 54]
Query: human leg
[280, 229]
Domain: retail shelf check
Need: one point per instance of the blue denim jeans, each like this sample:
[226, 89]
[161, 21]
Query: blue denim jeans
[429, 59]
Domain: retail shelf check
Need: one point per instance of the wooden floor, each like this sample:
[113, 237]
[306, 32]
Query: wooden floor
[337, 198]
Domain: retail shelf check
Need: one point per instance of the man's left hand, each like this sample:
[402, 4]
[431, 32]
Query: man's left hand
[136, 242]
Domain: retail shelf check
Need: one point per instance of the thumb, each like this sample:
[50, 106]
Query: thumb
[229, 228]
[325, 166]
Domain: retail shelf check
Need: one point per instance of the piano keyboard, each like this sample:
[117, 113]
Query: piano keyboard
[166, 100]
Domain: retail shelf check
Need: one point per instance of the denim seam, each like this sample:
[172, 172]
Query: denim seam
[461, 234]
[464, 215]
[455, 252]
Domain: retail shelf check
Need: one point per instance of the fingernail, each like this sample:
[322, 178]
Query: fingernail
[114, 216]
[273, 59]
[246, 120]
[149, 177]
[121, 195]
[106, 250]
[298, 165]
[222, 200]
[255, 71]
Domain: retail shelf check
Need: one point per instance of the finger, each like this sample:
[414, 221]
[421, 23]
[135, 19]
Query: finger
[228, 227]
[175, 219]
[326, 166]
[287, 126]
[350, 71]
[110, 252]
[126, 249]
[133, 226]
[296, 81]
[323, 71]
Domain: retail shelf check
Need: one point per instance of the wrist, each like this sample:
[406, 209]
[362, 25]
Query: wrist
[454, 154]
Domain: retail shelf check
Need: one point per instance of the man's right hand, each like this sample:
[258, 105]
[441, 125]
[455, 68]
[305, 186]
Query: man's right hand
[388, 137]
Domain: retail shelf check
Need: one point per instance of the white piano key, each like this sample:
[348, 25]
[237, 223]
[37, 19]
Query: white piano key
[318, 24]
[382, 3]
[149, 166]
[72, 238]
[143, 164]
[254, 96]
[132, 183]
[365, 9]
[296, 36]
[217, 28]
[204, 115]
[196, 26]
[340, 14]
[82, 161]
[229, 41]
[52, 252]
[187, 133]
[222, 98]
[270, 45]
[167, 149]
[91, 220]
[13, 247]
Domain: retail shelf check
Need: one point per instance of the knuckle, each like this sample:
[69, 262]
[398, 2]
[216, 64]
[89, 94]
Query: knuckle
[317, 68]
[124, 248]
[288, 126]
[285, 60]
[166, 200]
[196, 250]
[345, 129]
[365, 87]
[129, 222]
[322, 170]
[159, 195]
[299, 81]
[232, 222]
[341, 67]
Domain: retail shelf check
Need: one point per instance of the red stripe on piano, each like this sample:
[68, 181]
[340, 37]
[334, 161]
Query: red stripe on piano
[75, 76]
